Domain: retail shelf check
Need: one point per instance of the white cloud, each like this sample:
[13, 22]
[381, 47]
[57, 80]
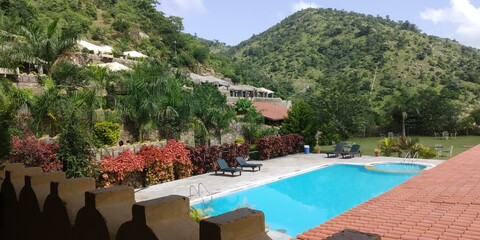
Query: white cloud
[464, 15]
[303, 5]
[183, 7]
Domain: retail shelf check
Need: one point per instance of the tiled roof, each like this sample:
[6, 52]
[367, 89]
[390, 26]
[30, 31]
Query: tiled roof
[271, 111]
[441, 203]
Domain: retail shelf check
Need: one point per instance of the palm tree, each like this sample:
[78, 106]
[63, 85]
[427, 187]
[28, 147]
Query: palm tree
[46, 109]
[38, 46]
[211, 112]
[11, 100]
[137, 99]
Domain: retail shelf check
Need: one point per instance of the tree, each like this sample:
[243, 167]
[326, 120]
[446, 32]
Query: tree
[243, 105]
[74, 149]
[11, 99]
[300, 120]
[210, 114]
[40, 46]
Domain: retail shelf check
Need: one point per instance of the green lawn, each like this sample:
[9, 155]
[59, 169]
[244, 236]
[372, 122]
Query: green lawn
[460, 144]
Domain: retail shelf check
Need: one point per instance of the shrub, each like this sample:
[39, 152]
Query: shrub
[231, 151]
[106, 133]
[177, 152]
[426, 152]
[35, 153]
[203, 157]
[272, 147]
[74, 150]
[388, 146]
[114, 170]
[158, 168]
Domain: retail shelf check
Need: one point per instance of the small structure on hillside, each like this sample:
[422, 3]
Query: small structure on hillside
[273, 114]
[114, 66]
[134, 54]
[208, 79]
[95, 49]
[245, 91]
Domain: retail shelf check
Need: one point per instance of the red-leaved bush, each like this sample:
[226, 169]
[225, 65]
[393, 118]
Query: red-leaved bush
[203, 157]
[115, 170]
[178, 153]
[272, 147]
[232, 151]
[158, 167]
[35, 153]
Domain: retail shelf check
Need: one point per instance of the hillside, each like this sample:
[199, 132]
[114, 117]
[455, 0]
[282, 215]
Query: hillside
[122, 24]
[361, 74]
[315, 44]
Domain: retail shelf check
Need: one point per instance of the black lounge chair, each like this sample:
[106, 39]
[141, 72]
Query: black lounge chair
[223, 167]
[242, 163]
[351, 153]
[338, 150]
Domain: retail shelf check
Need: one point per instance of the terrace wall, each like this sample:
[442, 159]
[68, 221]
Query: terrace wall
[35, 205]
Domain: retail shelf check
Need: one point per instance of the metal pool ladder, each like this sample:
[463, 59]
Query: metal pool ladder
[409, 157]
[199, 192]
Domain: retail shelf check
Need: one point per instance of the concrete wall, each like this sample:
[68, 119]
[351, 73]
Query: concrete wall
[36, 205]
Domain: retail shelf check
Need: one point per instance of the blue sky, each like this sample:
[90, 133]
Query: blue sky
[234, 21]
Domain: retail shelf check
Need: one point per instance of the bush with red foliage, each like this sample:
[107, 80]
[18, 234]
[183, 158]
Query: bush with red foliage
[33, 152]
[126, 168]
[203, 157]
[178, 154]
[158, 167]
[272, 147]
[231, 151]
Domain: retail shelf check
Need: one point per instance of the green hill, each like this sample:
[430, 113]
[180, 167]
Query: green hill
[364, 74]
[314, 44]
[123, 24]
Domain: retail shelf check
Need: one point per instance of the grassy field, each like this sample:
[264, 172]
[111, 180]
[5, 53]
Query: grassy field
[460, 144]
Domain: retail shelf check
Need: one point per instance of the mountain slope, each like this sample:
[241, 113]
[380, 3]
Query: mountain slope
[316, 44]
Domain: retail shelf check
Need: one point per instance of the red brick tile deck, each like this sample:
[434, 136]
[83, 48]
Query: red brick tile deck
[441, 203]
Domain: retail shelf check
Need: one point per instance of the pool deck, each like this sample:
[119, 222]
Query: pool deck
[272, 170]
[441, 203]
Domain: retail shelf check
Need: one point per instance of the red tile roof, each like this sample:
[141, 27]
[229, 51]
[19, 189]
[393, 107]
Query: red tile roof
[441, 203]
[271, 111]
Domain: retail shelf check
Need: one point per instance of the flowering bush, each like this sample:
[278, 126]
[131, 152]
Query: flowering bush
[158, 167]
[35, 153]
[114, 170]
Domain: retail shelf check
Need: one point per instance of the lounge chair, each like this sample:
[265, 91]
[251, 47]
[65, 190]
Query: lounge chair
[355, 149]
[242, 163]
[338, 150]
[223, 167]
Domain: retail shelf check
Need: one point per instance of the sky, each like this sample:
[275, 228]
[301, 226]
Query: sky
[232, 22]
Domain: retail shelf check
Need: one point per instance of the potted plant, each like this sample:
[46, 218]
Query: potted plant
[316, 149]
[377, 152]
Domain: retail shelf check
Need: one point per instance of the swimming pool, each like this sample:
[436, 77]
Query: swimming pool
[297, 203]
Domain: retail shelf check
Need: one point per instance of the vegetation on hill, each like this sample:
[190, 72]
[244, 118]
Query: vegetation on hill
[366, 74]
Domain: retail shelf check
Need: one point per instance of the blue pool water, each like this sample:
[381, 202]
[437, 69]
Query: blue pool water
[398, 167]
[304, 201]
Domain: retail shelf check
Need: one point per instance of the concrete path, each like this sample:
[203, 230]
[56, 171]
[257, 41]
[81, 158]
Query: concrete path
[272, 170]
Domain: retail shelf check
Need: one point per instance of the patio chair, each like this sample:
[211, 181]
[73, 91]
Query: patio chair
[338, 150]
[223, 167]
[445, 135]
[242, 163]
[351, 153]
[447, 152]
